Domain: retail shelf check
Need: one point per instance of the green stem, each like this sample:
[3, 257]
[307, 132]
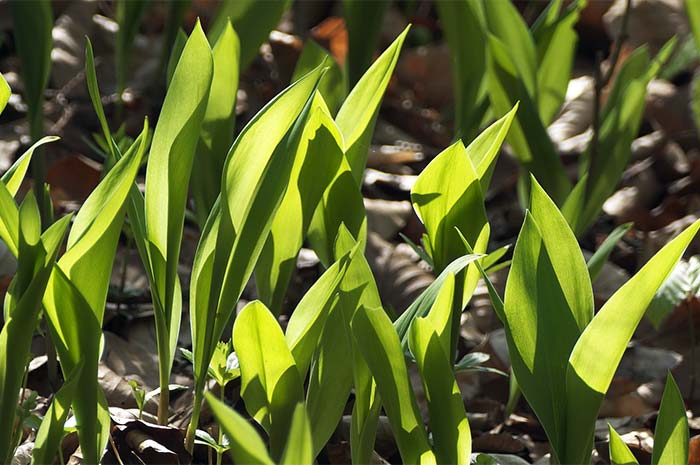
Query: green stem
[194, 421]
[219, 454]
[163, 341]
[38, 167]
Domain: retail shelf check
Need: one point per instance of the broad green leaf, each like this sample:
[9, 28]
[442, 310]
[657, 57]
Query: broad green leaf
[298, 450]
[671, 435]
[217, 126]
[74, 301]
[330, 378]
[364, 24]
[14, 176]
[332, 86]
[620, 454]
[527, 136]
[599, 350]
[255, 176]
[5, 93]
[358, 290]
[548, 302]
[252, 19]
[167, 175]
[600, 257]
[309, 317]
[51, 432]
[318, 158]
[555, 43]
[270, 383]
[381, 348]
[504, 22]
[22, 309]
[448, 419]
[483, 151]
[358, 114]
[256, 172]
[464, 31]
[447, 195]
[246, 446]
[342, 204]
[128, 15]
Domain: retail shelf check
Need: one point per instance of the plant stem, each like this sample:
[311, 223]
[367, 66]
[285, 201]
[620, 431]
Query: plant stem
[219, 454]
[192, 427]
[163, 341]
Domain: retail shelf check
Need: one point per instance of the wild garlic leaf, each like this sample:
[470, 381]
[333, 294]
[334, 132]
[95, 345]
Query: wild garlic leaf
[671, 435]
[270, 383]
[380, 346]
[246, 444]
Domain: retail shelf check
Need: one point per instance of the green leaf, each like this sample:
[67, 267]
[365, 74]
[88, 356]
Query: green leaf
[167, 175]
[358, 290]
[316, 163]
[309, 317]
[599, 350]
[528, 136]
[36, 258]
[620, 121]
[51, 432]
[330, 378]
[342, 205]
[548, 302]
[483, 151]
[364, 24]
[5, 93]
[74, 301]
[358, 114]
[298, 450]
[94, 91]
[555, 42]
[597, 261]
[448, 195]
[620, 454]
[430, 344]
[332, 86]
[671, 435]
[381, 348]
[504, 22]
[246, 444]
[255, 176]
[253, 20]
[14, 176]
[462, 23]
[421, 306]
[270, 382]
[217, 132]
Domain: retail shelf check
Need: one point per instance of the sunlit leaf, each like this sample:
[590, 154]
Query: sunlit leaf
[671, 435]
